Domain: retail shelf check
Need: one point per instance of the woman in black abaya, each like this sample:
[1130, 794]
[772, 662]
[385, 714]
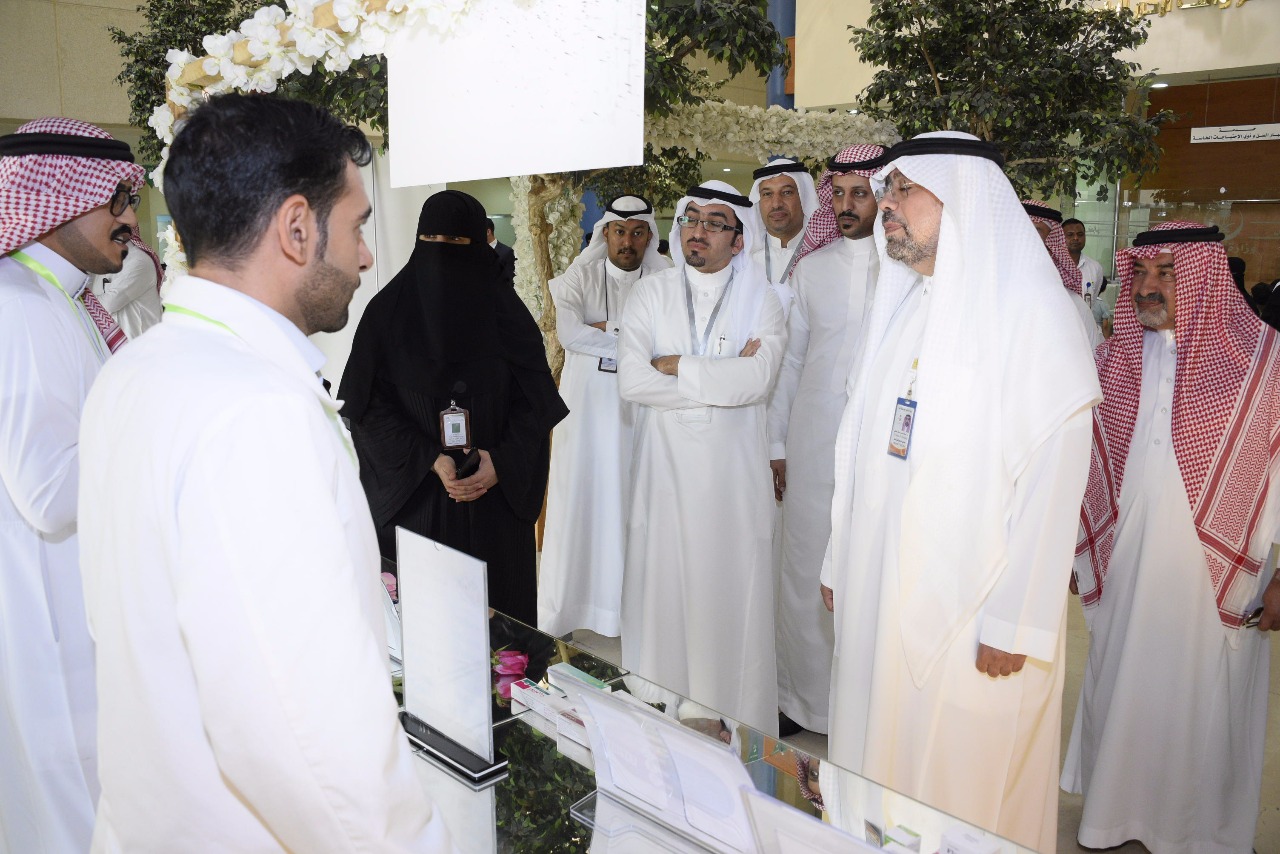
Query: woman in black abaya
[447, 331]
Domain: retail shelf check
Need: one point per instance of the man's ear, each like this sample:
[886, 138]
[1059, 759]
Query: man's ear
[296, 230]
[737, 243]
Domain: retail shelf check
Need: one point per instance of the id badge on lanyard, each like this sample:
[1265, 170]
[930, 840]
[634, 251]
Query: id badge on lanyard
[455, 427]
[904, 419]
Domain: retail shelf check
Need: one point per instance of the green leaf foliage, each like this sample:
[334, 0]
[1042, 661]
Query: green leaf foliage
[1041, 79]
[533, 803]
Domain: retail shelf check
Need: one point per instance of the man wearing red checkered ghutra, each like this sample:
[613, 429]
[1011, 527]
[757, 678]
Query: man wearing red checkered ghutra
[66, 212]
[1173, 569]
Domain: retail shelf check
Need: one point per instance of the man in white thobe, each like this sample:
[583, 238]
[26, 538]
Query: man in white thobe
[1092, 278]
[231, 565]
[833, 290]
[785, 199]
[584, 542]
[66, 210]
[133, 294]
[1175, 571]
[700, 349]
[1048, 224]
[960, 463]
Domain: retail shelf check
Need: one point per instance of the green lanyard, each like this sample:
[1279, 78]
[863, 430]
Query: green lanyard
[95, 338]
[332, 416]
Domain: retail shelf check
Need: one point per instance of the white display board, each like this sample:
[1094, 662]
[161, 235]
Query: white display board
[444, 611]
[521, 87]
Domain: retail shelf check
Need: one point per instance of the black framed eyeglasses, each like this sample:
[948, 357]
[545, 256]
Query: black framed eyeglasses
[122, 199]
[711, 225]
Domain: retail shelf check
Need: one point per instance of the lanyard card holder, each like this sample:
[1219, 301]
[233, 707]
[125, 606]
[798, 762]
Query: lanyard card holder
[904, 418]
[455, 427]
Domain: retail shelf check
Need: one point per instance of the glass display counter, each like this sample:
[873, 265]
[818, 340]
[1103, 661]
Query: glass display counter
[546, 801]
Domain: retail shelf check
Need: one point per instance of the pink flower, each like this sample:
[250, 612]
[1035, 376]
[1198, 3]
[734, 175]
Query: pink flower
[504, 685]
[510, 663]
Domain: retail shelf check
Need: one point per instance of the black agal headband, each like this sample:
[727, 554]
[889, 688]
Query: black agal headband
[706, 193]
[876, 162]
[1042, 212]
[945, 145]
[22, 144]
[777, 168]
[1210, 234]
[647, 209]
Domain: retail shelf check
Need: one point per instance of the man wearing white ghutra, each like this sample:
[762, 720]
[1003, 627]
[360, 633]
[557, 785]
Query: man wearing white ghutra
[700, 349]
[959, 471]
[580, 577]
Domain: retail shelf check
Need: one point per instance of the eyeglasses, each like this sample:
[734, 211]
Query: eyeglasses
[897, 193]
[711, 225]
[122, 199]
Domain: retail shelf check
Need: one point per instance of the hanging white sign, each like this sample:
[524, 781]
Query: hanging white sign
[1236, 133]
[521, 87]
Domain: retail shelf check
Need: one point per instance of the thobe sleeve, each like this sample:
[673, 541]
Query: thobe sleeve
[569, 294]
[638, 379]
[135, 280]
[784, 393]
[39, 416]
[292, 678]
[738, 381]
[1024, 611]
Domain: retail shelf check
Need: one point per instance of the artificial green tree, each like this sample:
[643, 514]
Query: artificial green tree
[1042, 79]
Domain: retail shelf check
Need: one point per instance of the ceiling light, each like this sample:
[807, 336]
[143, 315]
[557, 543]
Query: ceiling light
[1159, 85]
[727, 169]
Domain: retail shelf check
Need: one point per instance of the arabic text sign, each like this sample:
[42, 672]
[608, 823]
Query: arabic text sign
[1236, 133]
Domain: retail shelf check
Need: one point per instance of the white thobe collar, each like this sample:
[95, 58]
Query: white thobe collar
[626, 277]
[857, 248]
[1164, 339]
[699, 280]
[775, 243]
[310, 352]
[264, 329]
[72, 278]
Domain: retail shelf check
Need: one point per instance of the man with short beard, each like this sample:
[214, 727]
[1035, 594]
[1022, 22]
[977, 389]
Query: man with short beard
[231, 564]
[959, 467]
[584, 542]
[66, 213]
[785, 199]
[699, 351]
[1174, 570]
[833, 285]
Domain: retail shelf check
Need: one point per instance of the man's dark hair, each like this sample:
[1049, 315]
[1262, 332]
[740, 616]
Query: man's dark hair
[1072, 221]
[491, 226]
[238, 157]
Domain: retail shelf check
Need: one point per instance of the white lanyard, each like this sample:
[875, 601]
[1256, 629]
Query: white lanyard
[700, 347]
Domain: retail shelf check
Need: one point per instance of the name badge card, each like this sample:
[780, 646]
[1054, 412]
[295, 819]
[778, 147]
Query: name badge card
[608, 365]
[455, 427]
[904, 418]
